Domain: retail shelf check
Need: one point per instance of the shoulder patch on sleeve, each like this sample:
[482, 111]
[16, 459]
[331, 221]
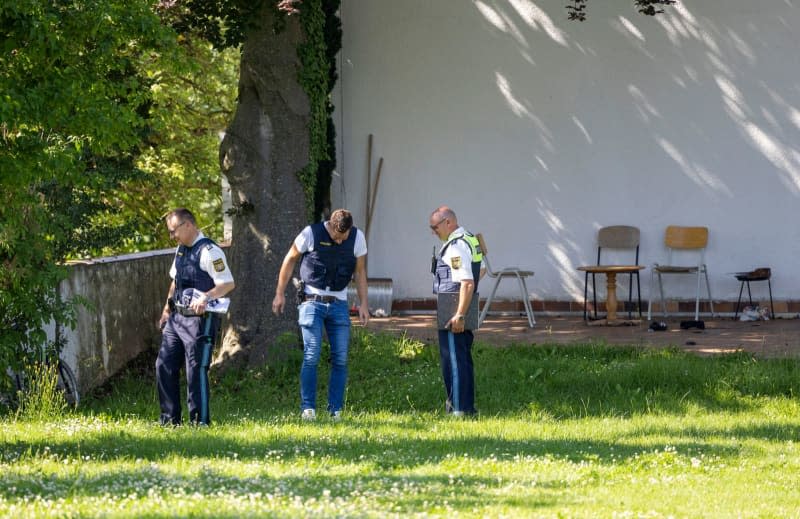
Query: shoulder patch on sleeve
[209, 246]
[456, 262]
[219, 265]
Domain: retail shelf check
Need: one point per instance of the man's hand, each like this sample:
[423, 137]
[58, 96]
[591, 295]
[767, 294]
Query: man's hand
[199, 306]
[363, 314]
[278, 303]
[164, 318]
[456, 323]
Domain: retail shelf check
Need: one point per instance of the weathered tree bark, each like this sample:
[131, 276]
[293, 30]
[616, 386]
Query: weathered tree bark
[265, 146]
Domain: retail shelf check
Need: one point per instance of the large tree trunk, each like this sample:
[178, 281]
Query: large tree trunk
[265, 146]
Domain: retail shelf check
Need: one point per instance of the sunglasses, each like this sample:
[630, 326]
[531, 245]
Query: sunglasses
[434, 227]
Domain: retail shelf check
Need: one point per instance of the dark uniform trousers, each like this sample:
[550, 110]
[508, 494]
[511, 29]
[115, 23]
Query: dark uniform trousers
[186, 341]
[455, 351]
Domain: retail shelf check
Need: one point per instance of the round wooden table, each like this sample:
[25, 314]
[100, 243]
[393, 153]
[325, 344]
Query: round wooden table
[611, 272]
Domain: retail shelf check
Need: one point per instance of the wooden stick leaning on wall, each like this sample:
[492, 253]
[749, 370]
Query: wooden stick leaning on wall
[374, 193]
[369, 185]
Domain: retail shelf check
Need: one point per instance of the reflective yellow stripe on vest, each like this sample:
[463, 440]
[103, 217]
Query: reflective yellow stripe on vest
[472, 241]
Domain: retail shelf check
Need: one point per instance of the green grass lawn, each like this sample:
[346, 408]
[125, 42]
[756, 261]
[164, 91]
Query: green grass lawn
[586, 431]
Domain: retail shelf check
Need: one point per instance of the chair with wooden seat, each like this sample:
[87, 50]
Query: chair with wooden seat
[505, 273]
[621, 237]
[682, 240]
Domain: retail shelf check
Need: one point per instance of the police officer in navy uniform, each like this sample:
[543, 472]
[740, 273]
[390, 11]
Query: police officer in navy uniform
[188, 330]
[456, 272]
[331, 254]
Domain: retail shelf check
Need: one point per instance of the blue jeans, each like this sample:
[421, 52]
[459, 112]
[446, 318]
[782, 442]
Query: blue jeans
[335, 318]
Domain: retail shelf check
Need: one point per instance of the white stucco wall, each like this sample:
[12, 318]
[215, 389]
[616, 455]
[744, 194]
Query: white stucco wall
[537, 131]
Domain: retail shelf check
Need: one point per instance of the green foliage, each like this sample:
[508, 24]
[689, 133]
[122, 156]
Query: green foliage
[192, 102]
[41, 400]
[222, 23]
[73, 109]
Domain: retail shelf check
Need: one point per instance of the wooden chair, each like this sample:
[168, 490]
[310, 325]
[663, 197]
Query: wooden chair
[615, 237]
[676, 239]
[500, 274]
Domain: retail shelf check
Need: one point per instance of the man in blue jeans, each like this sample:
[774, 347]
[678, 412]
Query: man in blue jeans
[330, 254]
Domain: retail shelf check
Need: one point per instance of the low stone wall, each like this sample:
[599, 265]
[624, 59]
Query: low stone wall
[125, 296]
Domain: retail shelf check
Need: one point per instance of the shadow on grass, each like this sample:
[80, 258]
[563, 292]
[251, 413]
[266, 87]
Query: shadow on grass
[374, 462]
[399, 375]
[382, 490]
[364, 441]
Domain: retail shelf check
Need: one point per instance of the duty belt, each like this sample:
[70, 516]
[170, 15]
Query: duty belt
[185, 311]
[320, 299]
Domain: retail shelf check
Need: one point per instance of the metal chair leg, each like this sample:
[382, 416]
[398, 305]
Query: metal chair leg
[650, 298]
[639, 293]
[697, 298]
[585, 293]
[661, 291]
[749, 294]
[739, 300]
[489, 301]
[526, 301]
[630, 296]
[771, 307]
[708, 288]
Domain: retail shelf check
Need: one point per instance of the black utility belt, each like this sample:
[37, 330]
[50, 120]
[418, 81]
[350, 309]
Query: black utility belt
[321, 299]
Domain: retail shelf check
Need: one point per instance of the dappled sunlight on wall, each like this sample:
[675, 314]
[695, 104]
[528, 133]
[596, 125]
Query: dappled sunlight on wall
[563, 253]
[562, 260]
[645, 108]
[538, 20]
[539, 130]
[582, 128]
[725, 50]
[516, 106]
[631, 29]
[530, 13]
[696, 172]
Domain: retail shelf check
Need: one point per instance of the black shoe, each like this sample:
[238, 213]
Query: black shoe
[658, 326]
[700, 325]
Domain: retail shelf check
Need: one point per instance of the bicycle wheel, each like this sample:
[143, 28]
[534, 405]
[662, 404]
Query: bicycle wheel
[10, 396]
[68, 384]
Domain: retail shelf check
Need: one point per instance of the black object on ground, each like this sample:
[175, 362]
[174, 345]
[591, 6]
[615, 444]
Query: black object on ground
[685, 325]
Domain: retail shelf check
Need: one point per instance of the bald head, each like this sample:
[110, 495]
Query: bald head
[443, 222]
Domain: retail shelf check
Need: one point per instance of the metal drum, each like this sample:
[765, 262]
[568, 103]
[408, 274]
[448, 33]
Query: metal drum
[379, 293]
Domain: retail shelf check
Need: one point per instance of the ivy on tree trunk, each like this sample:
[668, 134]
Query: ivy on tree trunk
[264, 148]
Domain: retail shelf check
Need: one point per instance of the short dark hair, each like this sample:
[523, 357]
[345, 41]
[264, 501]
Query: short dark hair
[182, 214]
[341, 220]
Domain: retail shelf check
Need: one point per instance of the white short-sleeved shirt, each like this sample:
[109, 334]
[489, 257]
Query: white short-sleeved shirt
[305, 243]
[212, 261]
[458, 257]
